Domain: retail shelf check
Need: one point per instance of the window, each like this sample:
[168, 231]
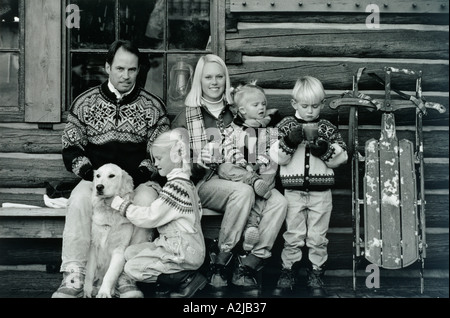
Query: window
[171, 34]
[10, 53]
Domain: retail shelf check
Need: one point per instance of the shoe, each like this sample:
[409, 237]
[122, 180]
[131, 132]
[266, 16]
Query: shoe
[217, 276]
[315, 284]
[190, 286]
[251, 237]
[244, 277]
[286, 282]
[71, 286]
[162, 290]
[126, 287]
[262, 188]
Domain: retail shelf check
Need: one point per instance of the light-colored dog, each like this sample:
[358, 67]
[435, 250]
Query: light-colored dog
[111, 232]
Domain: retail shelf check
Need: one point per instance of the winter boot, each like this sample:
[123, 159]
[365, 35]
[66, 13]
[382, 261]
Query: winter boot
[126, 287]
[314, 283]
[218, 274]
[245, 275]
[286, 282]
[71, 286]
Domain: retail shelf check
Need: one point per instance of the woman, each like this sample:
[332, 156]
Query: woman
[208, 111]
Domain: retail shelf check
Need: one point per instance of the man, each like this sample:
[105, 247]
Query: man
[115, 122]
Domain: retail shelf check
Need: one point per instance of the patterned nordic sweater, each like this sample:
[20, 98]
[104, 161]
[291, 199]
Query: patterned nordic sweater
[299, 169]
[174, 215]
[100, 129]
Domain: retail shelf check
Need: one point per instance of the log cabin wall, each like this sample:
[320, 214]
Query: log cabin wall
[274, 44]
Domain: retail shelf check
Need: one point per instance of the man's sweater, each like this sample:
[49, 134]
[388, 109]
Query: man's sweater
[101, 129]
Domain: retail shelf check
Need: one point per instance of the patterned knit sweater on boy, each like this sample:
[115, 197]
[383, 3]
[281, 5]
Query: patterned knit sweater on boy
[299, 169]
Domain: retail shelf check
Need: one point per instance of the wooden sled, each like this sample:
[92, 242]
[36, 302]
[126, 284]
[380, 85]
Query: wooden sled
[392, 192]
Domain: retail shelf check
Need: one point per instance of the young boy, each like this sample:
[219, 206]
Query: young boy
[307, 158]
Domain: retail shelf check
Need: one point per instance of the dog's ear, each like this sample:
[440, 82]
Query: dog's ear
[127, 184]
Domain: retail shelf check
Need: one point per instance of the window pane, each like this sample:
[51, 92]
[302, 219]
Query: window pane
[88, 70]
[143, 22]
[151, 74]
[96, 24]
[9, 84]
[9, 24]
[180, 70]
[189, 24]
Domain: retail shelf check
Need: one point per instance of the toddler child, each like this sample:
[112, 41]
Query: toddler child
[246, 150]
[308, 150]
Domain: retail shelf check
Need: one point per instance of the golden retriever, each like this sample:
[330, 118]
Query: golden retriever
[111, 232]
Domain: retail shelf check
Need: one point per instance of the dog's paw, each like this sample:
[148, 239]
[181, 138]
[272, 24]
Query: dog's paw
[103, 293]
[88, 291]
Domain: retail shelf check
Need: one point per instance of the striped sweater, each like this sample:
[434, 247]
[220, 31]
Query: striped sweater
[299, 169]
[175, 216]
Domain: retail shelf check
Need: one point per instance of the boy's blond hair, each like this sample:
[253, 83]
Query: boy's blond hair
[308, 90]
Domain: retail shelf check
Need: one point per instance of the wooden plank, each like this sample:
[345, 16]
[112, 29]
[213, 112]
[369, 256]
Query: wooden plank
[48, 251]
[334, 17]
[399, 6]
[437, 204]
[43, 60]
[331, 40]
[33, 170]
[408, 199]
[30, 139]
[389, 203]
[336, 73]
[372, 213]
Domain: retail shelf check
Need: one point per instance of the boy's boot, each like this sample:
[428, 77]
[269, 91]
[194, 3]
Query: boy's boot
[245, 274]
[286, 283]
[189, 286]
[168, 283]
[71, 286]
[315, 283]
[126, 287]
[218, 275]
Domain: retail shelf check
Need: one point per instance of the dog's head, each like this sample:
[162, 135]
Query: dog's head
[111, 180]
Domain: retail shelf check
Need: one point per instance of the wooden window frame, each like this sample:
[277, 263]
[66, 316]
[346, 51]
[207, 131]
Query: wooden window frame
[217, 33]
[15, 113]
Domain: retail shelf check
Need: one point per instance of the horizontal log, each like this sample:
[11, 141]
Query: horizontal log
[333, 17]
[337, 73]
[30, 139]
[34, 170]
[48, 251]
[309, 40]
[435, 139]
[437, 205]
[321, 6]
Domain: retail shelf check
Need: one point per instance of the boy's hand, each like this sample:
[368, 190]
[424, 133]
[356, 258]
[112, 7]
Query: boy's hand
[295, 137]
[319, 147]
